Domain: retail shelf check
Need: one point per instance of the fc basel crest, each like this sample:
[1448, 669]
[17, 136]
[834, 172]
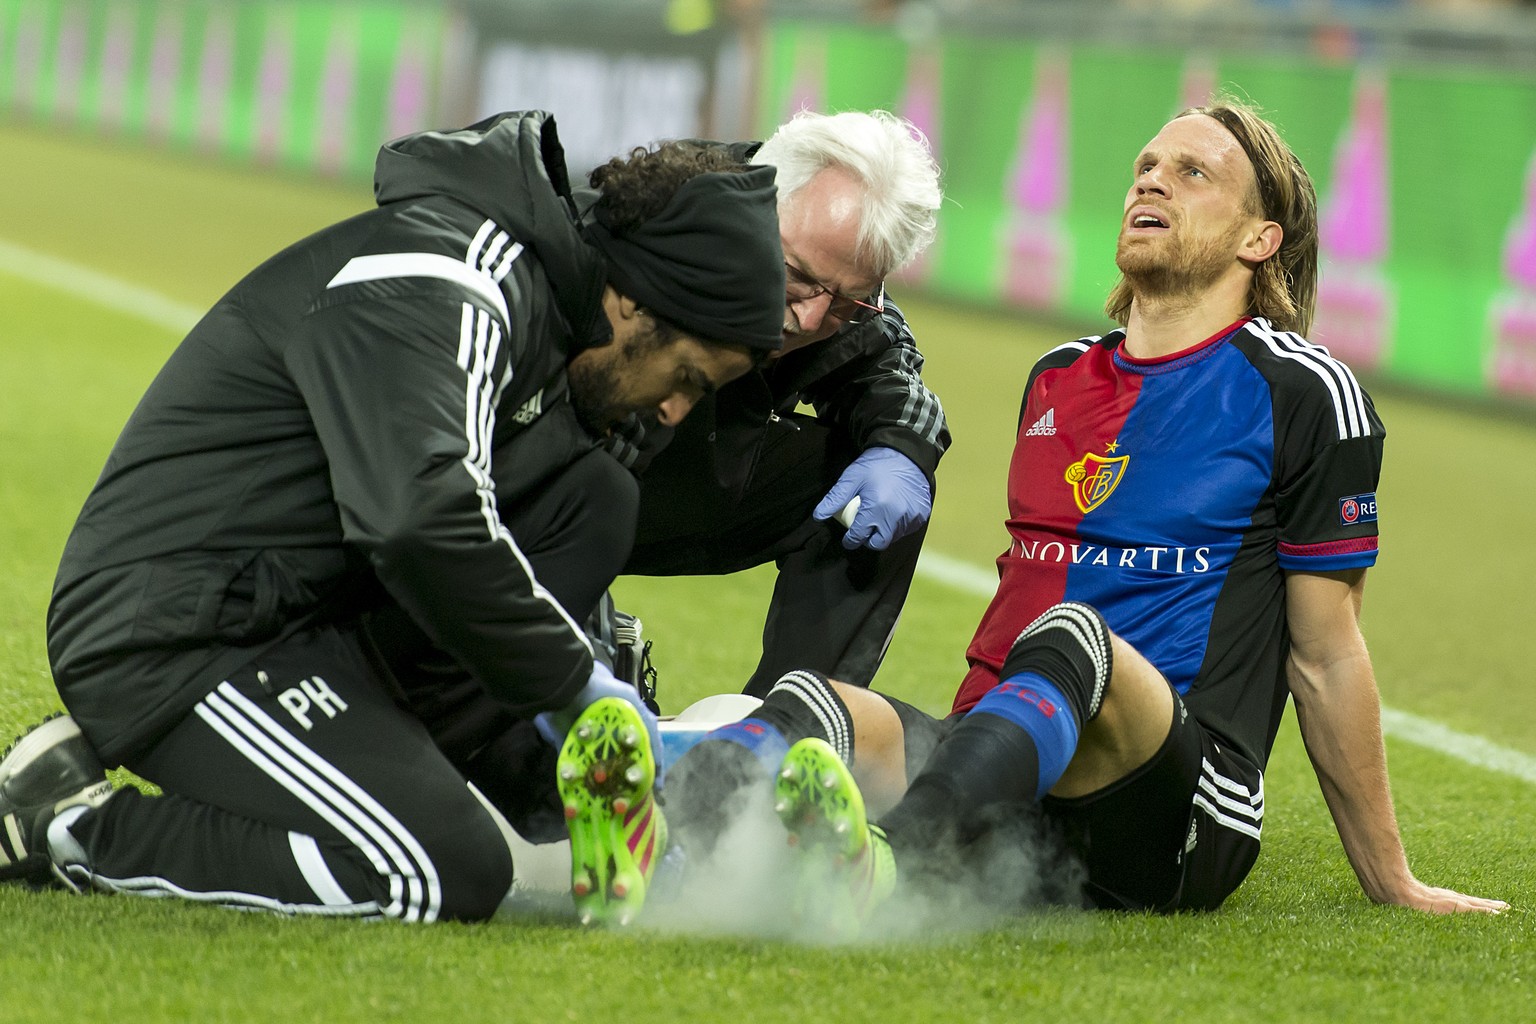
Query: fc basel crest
[1094, 478]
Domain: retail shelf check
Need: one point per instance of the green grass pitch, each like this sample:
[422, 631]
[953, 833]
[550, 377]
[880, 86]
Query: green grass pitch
[1448, 615]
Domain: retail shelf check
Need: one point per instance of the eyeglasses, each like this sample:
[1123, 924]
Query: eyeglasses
[800, 286]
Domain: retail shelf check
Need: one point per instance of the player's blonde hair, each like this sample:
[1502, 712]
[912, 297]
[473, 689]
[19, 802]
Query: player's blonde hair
[1284, 289]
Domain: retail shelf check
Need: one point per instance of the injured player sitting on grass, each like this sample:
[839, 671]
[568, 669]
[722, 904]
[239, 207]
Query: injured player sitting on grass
[1214, 476]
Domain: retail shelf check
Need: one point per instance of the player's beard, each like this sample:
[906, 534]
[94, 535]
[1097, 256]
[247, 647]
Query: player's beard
[1174, 268]
[591, 384]
[597, 385]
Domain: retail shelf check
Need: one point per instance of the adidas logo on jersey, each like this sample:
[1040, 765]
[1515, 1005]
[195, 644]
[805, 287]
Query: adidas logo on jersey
[530, 410]
[1045, 426]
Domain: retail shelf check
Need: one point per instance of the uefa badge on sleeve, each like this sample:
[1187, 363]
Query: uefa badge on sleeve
[1357, 509]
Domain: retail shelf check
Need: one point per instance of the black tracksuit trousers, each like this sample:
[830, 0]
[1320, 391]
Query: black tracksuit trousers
[327, 777]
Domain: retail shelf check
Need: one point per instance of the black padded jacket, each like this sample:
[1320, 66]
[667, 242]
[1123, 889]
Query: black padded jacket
[324, 439]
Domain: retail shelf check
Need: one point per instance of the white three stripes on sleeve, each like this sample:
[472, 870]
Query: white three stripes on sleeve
[1348, 400]
[482, 257]
[479, 339]
[422, 264]
[486, 264]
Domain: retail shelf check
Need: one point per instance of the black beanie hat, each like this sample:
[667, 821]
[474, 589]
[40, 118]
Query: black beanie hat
[710, 262]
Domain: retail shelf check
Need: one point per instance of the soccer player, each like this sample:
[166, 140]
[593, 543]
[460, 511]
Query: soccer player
[1191, 515]
[748, 479]
[400, 411]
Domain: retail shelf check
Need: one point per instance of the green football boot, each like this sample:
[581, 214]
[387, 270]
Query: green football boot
[605, 774]
[846, 865]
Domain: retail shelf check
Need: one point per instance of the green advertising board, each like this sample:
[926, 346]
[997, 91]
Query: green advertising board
[1426, 174]
[303, 83]
[1426, 180]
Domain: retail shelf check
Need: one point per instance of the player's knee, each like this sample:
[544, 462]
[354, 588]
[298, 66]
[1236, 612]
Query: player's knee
[473, 865]
[1071, 645]
[810, 704]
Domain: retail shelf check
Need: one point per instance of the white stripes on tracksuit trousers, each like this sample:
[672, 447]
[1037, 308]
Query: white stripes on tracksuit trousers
[415, 890]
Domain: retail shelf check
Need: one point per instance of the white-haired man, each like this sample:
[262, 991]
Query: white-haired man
[749, 479]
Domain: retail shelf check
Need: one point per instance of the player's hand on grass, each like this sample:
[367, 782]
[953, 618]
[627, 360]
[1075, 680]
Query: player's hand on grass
[553, 725]
[1435, 900]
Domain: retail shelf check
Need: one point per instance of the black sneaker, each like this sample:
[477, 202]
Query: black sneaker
[618, 641]
[632, 657]
[50, 768]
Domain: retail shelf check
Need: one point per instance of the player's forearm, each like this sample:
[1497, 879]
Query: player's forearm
[1339, 712]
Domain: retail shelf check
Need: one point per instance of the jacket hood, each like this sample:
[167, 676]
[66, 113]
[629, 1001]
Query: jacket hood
[510, 167]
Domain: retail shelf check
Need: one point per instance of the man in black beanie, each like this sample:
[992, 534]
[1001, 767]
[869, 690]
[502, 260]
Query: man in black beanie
[837, 500]
[393, 421]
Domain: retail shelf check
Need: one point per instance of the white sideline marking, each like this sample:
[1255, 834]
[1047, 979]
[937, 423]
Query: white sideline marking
[972, 579]
[1410, 728]
[1463, 746]
[96, 287]
[154, 308]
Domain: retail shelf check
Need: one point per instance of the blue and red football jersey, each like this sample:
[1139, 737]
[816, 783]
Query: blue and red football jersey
[1173, 495]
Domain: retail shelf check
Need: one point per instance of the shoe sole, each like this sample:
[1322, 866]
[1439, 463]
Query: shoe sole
[819, 803]
[604, 774]
[821, 807]
[30, 750]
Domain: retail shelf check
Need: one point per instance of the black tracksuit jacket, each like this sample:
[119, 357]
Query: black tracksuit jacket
[324, 438]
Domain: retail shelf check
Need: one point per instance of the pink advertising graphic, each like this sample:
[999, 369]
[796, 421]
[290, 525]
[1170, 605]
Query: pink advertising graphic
[1512, 314]
[1199, 81]
[275, 86]
[214, 75]
[338, 83]
[807, 83]
[1037, 250]
[27, 62]
[1355, 304]
[919, 104]
[117, 45]
[70, 62]
[165, 70]
[409, 87]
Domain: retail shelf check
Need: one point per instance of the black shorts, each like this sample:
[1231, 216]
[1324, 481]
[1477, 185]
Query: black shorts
[1179, 833]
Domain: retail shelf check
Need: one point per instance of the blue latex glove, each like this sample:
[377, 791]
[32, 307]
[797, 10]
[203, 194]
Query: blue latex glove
[894, 499]
[553, 725]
